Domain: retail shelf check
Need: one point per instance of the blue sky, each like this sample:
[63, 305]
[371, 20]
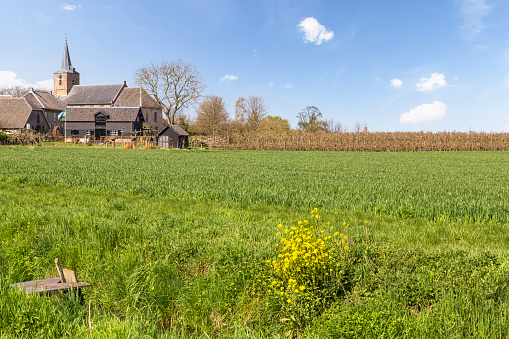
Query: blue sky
[434, 65]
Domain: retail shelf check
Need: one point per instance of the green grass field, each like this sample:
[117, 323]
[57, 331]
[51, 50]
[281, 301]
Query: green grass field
[175, 242]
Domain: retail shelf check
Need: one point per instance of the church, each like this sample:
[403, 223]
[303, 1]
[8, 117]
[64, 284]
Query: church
[90, 110]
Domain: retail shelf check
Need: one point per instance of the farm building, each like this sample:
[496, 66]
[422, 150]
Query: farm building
[17, 113]
[173, 136]
[104, 121]
[117, 99]
[48, 104]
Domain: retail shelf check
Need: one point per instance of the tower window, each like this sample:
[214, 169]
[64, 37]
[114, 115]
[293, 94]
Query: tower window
[146, 120]
[38, 119]
[155, 116]
[60, 82]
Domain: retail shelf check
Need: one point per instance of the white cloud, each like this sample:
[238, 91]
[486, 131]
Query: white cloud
[314, 32]
[229, 77]
[44, 84]
[10, 79]
[68, 7]
[436, 80]
[288, 86]
[271, 84]
[473, 12]
[396, 83]
[426, 112]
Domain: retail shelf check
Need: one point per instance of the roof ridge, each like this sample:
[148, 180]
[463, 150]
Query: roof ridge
[36, 96]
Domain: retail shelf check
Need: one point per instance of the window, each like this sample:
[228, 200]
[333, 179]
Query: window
[54, 117]
[38, 119]
[28, 126]
[155, 116]
[75, 132]
[146, 119]
[114, 132]
[89, 133]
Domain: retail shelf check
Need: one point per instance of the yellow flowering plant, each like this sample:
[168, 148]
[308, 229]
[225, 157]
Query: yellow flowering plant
[308, 270]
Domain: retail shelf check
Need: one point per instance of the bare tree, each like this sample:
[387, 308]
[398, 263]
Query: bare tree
[212, 118]
[240, 110]
[255, 111]
[357, 127]
[331, 126]
[174, 85]
[16, 91]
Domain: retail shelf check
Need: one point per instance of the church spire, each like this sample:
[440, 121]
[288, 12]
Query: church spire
[66, 61]
[66, 77]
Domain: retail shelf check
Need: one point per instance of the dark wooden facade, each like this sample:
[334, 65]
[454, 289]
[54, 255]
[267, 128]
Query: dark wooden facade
[103, 121]
[173, 136]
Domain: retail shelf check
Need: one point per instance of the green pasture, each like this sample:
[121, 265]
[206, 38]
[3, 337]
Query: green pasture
[174, 242]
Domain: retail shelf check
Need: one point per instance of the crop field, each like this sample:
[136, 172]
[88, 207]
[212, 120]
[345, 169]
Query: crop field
[256, 243]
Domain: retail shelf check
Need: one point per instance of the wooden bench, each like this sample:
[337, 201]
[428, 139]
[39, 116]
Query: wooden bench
[65, 282]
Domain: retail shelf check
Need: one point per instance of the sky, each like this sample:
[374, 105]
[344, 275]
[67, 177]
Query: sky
[395, 65]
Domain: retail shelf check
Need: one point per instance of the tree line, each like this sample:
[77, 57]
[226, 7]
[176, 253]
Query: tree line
[178, 86]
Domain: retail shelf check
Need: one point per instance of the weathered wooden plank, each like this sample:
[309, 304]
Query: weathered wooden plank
[54, 287]
[47, 285]
[41, 282]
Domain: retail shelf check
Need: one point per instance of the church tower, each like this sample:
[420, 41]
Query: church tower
[66, 76]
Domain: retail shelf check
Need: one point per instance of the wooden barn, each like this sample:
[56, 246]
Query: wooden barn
[173, 136]
[103, 121]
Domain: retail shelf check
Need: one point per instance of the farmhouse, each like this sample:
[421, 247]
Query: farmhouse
[16, 113]
[47, 104]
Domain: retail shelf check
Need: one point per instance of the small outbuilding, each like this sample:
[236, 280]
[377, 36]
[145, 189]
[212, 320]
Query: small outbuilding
[173, 136]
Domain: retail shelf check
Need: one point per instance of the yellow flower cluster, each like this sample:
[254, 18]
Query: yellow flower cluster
[310, 253]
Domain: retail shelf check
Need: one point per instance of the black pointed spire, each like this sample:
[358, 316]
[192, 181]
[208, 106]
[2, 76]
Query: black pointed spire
[66, 61]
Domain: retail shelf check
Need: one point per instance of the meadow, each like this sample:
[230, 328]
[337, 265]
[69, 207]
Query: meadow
[176, 243]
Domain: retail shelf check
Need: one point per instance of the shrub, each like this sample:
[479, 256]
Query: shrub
[25, 137]
[308, 272]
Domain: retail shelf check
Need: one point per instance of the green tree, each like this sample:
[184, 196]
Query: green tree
[310, 119]
[274, 124]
